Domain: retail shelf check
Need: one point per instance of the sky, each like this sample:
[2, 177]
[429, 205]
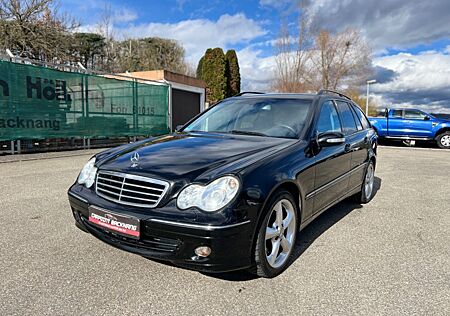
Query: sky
[410, 39]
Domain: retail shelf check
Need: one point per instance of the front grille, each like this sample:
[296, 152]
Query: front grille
[130, 189]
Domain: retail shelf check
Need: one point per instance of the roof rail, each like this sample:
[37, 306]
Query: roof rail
[247, 92]
[326, 91]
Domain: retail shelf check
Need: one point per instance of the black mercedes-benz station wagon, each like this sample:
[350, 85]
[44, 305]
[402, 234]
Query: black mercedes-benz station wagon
[233, 188]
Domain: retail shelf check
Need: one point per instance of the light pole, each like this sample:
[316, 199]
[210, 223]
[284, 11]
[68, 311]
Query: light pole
[367, 98]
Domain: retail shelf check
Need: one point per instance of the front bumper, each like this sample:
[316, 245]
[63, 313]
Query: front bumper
[173, 240]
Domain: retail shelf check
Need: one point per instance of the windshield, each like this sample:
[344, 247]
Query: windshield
[259, 117]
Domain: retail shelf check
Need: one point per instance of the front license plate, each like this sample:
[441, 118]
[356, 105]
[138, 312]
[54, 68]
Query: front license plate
[124, 225]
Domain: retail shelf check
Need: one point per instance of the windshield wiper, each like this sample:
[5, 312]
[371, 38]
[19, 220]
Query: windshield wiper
[247, 133]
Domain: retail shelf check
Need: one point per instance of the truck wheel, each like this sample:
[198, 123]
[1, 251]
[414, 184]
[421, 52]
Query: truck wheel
[443, 140]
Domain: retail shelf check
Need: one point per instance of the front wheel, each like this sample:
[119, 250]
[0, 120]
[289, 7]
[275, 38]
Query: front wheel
[443, 140]
[277, 235]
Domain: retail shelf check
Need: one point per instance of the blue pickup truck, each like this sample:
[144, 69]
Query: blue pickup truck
[411, 125]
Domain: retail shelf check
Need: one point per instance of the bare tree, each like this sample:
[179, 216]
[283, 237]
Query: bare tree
[34, 29]
[359, 98]
[340, 59]
[105, 27]
[310, 60]
[23, 10]
[150, 54]
[292, 58]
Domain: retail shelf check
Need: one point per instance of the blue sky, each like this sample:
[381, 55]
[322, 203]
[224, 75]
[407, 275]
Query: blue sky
[410, 39]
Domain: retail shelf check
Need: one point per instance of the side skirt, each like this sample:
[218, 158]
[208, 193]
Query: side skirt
[408, 138]
[317, 214]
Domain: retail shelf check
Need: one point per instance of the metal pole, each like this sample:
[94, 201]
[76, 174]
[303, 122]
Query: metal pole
[367, 99]
[19, 151]
[12, 147]
[136, 108]
[170, 110]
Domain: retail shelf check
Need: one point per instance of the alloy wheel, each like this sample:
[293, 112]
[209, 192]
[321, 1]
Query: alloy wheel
[368, 184]
[280, 233]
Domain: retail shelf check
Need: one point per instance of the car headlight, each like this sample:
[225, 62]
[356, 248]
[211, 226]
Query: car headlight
[87, 174]
[211, 197]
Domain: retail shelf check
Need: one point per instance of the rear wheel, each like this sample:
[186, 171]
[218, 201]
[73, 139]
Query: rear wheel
[443, 140]
[367, 187]
[277, 235]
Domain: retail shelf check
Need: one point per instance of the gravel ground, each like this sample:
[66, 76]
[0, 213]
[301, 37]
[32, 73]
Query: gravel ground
[389, 257]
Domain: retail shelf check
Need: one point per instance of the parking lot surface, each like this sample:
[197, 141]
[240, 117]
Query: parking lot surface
[389, 257]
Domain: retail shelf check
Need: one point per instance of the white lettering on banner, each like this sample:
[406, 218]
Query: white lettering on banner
[126, 226]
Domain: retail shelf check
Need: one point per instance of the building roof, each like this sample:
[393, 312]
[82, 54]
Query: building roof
[164, 75]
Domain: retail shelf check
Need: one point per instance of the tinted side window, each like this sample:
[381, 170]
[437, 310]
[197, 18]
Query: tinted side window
[328, 119]
[348, 121]
[362, 118]
[397, 113]
[357, 121]
[414, 114]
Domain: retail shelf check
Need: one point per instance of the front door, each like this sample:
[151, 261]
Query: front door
[418, 124]
[332, 163]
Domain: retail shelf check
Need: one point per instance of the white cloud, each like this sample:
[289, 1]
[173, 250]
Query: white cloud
[199, 34]
[274, 3]
[124, 15]
[421, 80]
[447, 49]
[386, 23]
[257, 72]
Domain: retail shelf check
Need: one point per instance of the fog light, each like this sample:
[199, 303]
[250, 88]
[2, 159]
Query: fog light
[202, 251]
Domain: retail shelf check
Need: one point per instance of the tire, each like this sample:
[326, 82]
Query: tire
[443, 140]
[366, 193]
[274, 254]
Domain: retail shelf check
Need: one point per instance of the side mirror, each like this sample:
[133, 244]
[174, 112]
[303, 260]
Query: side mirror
[330, 139]
[427, 118]
[178, 128]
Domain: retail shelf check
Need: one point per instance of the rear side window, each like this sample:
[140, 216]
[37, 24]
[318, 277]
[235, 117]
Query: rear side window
[362, 118]
[358, 123]
[397, 113]
[328, 119]
[348, 120]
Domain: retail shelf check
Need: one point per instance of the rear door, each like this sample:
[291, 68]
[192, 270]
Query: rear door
[356, 141]
[332, 163]
[360, 154]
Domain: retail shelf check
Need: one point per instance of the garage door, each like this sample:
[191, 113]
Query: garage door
[185, 105]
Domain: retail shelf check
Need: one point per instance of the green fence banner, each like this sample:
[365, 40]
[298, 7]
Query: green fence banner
[39, 103]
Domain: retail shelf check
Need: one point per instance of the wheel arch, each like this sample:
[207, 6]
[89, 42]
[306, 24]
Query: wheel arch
[441, 131]
[291, 187]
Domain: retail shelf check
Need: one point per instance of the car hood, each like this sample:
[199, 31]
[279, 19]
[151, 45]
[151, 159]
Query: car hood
[189, 157]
